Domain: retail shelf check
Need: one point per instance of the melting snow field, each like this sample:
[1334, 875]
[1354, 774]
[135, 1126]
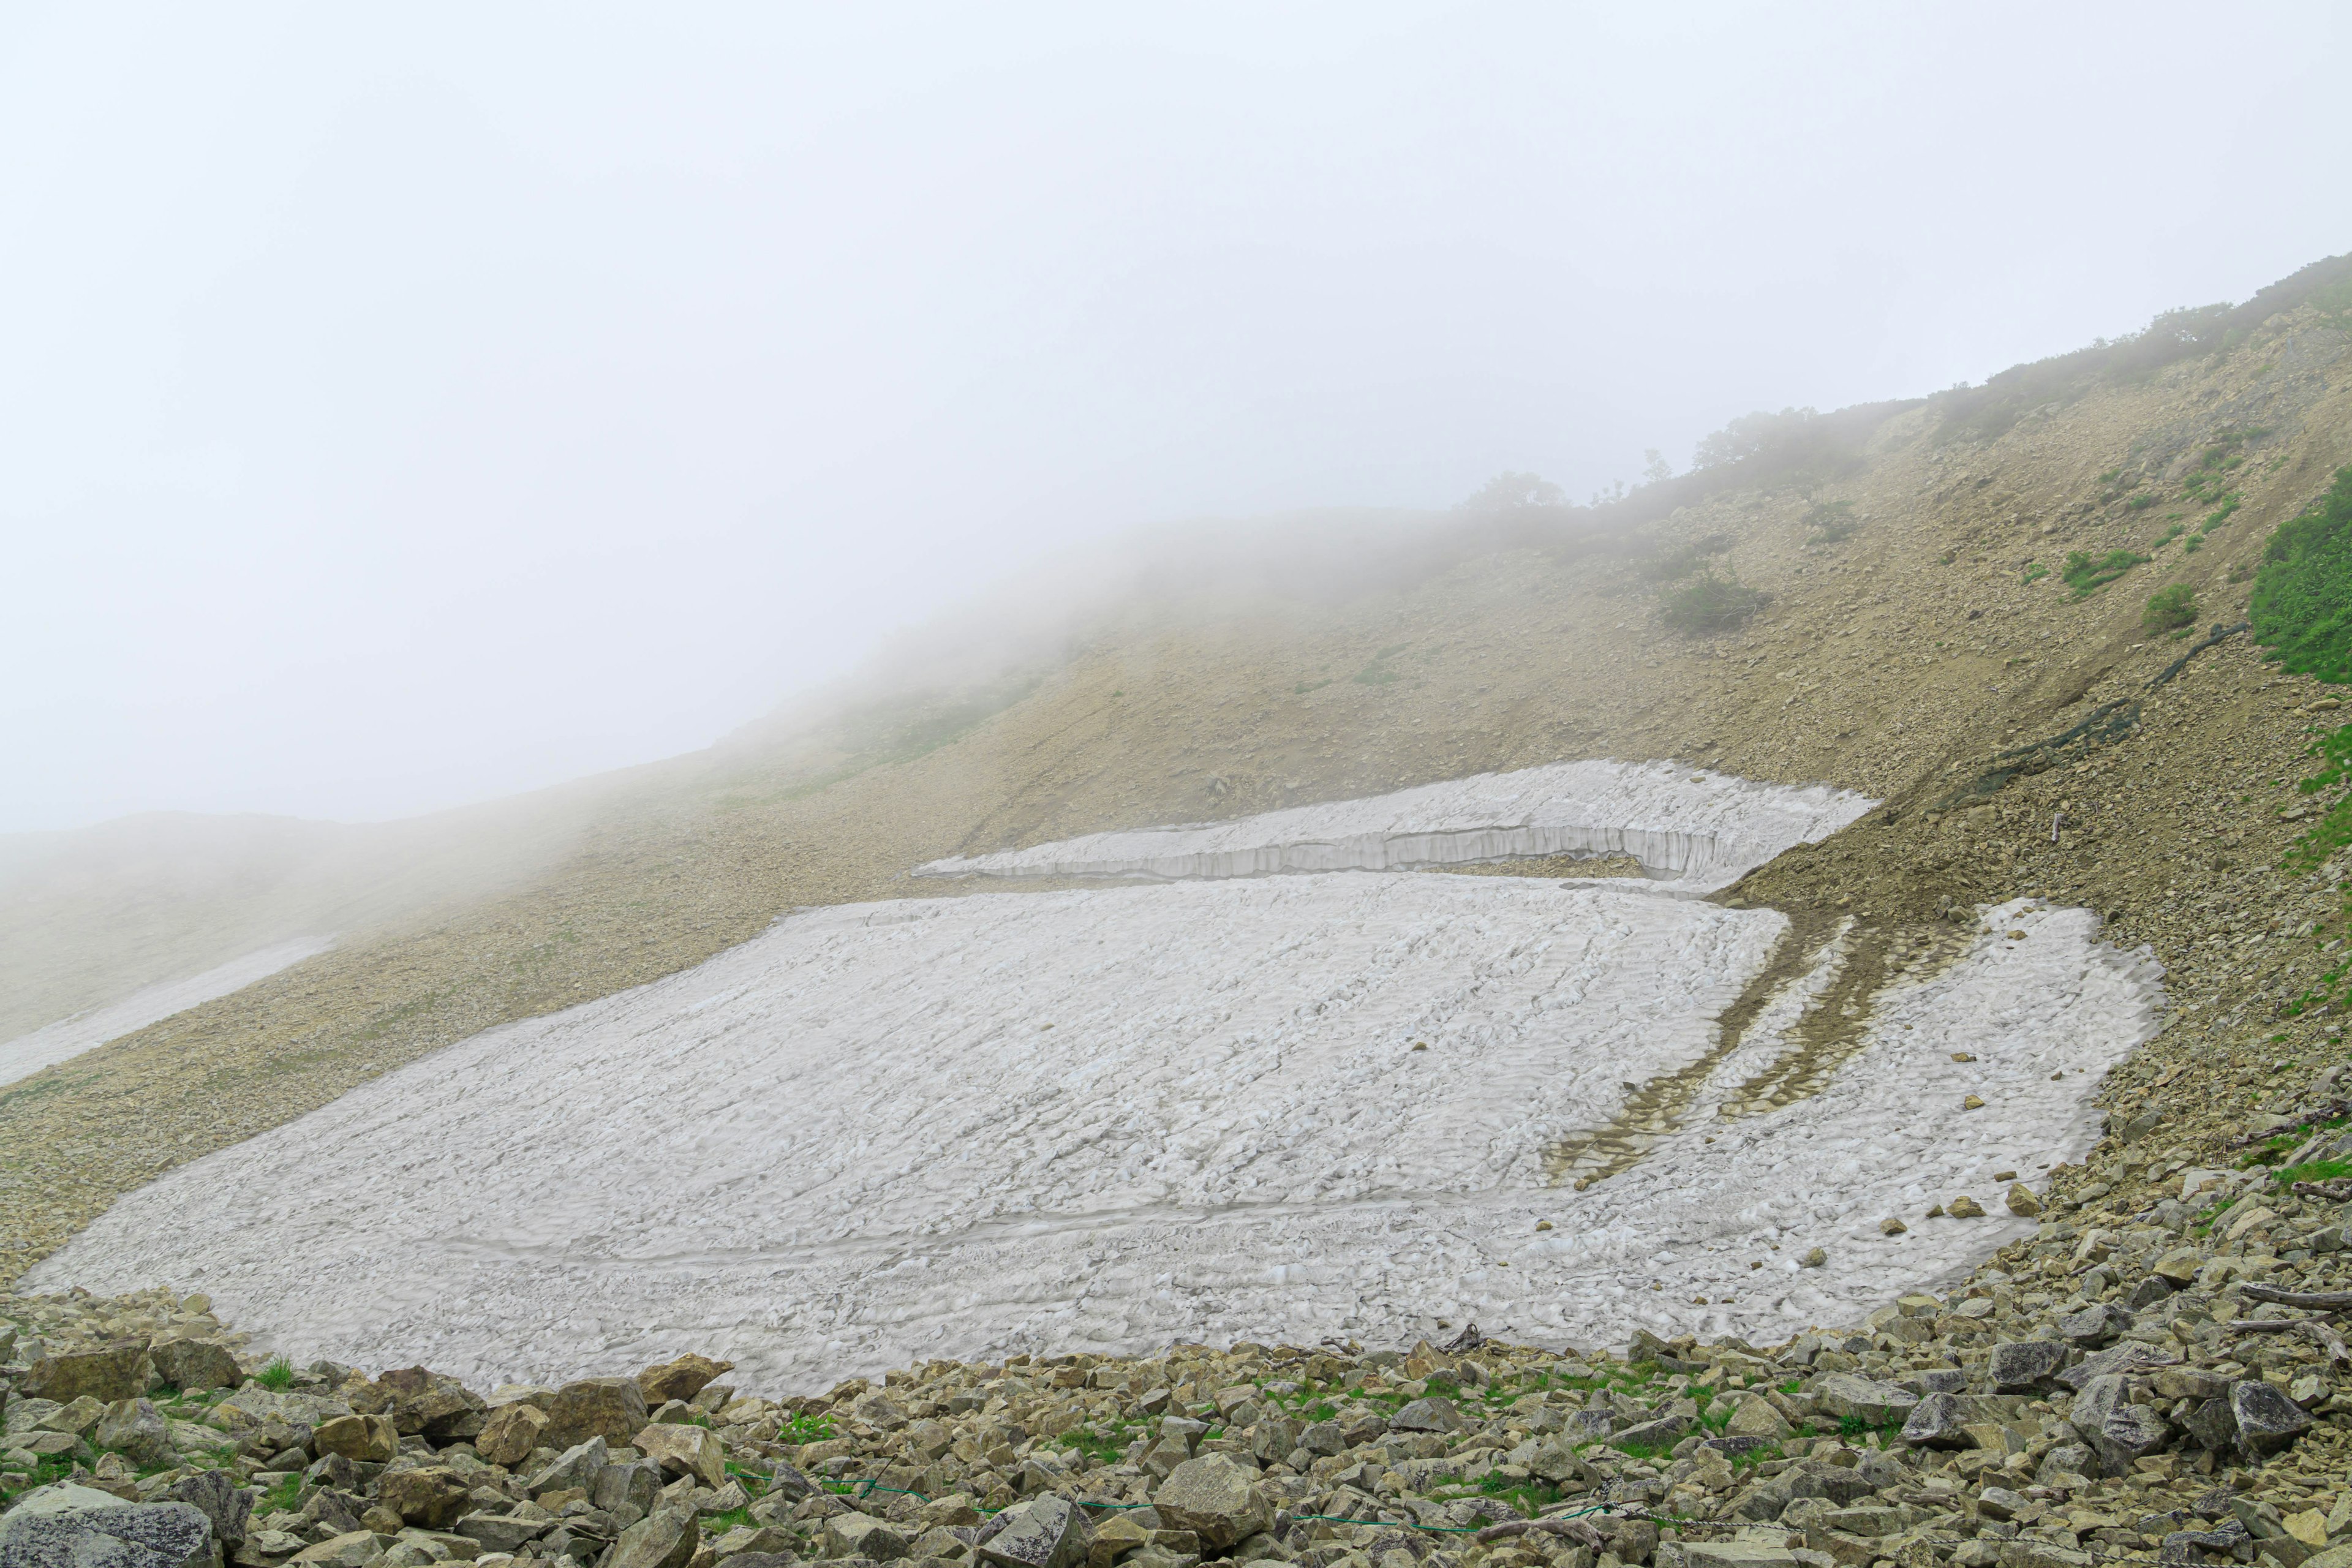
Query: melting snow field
[1701, 831]
[1275, 1108]
[28, 1054]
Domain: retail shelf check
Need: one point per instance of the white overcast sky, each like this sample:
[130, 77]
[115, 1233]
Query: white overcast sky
[406, 404]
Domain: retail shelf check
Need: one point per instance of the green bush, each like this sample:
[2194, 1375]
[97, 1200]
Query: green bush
[2302, 605]
[2168, 609]
[1711, 603]
[2087, 573]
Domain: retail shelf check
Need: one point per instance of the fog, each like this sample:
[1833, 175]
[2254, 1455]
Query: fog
[406, 407]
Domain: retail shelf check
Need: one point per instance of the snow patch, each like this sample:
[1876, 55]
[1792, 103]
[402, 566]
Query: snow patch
[1104, 1118]
[69, 1037]
[1698, 830]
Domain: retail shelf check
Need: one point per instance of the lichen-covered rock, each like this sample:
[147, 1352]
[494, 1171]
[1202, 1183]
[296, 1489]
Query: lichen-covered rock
[1044, 1533]
[510, 1433]
[1428, 1415]
[612, 1408]
[107, 1374]
[1847, 1396]
[667, 1538]
[369, 1439]
[432, 1496]
[1216, 1497]
[682, 1378]
[2022, 1365]
[135, 1429]
[68, 1526]
[684, 1450]
[195, 1363]
[861, 1535]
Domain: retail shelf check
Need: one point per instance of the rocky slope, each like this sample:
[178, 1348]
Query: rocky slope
[1923, 644]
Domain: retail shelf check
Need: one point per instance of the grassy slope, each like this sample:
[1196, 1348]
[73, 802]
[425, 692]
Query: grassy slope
[1896, 661]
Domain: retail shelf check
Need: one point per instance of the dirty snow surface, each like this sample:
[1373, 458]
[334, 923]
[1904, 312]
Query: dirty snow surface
[1699, 830]
[69, 1037]
[1275, 1108]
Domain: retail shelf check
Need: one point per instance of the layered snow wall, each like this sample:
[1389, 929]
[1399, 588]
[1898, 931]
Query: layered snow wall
[1697, 829]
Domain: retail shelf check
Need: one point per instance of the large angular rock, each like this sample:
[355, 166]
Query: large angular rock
[351, 1549]
[2126, 1357]
[1216, 1497]
[1938, 1422]
[1427, 1415]
[1663, 1432]
[680, 1379]
[1044, 1533]
[667, 1538]
[2117, 1430]
[195, 1363]
[106, 1375]
[861, 1535]
[612, 1408]
[2023, 1365]
[575, 1467]
[425, 1401]
[684, 1450]
[509, 1433]
[219, 1500]
[502, 1533]
[432, 1496]
[1846, 1397]
[1757, 1419]
[66, 1526]
[2254, 1418]
[135, 1429]
[369, 1439]
[628, 1491]
[2094, 1326]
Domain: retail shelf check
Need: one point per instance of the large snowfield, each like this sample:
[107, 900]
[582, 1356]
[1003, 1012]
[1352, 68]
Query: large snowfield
[1269, 1107]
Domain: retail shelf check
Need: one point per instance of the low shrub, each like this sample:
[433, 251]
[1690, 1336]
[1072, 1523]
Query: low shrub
[2088, 573]
[2168, 609]
[1711, 603]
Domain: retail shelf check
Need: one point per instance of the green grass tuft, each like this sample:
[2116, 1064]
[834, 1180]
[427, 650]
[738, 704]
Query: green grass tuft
[2087, 575]
[277, 1374]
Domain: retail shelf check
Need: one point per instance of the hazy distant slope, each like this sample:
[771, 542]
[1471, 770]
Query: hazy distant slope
[1921, 620]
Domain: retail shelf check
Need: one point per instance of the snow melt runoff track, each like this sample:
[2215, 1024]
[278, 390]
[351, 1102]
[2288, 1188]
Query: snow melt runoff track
[1275, 1108]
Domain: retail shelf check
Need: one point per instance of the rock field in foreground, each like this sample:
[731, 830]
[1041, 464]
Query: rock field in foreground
[2117, 1385]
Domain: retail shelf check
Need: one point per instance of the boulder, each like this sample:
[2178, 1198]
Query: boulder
[612, 1408]
[680, 1379]
[191, 1363]
[2117, 1430]
[509, 1433]
[432, 1496]
[575, 1467]
[2253, 1418]
[1847, 1396]
[1663, 1432]
[2129, 1356]
[82, 1526]
[1757, 1419]
[1216, 1497]
[683, 1450]
[135, 1429]
[219, 1500]
[666, 1538]
[629, 1491]
[1938, 1421]
[370, 1439]
[106, 1375]
[1044, 1533]
[2021, 1366]
[501, 1532]
[351, 1549]
[861, 1535]
[1427, 1415]
[2094, 1326]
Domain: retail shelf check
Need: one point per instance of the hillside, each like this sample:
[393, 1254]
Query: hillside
[1921, 622]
